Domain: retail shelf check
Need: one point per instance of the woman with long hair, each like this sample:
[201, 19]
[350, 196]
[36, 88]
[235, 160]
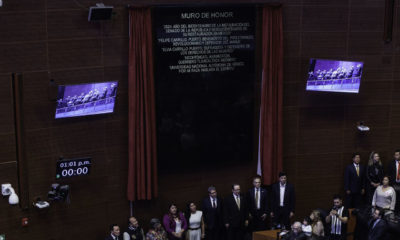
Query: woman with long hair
[194, 219]
[174, 223]
[374, 174]
[317, 225]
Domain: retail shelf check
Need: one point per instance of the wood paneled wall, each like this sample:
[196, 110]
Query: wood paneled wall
[52, 39]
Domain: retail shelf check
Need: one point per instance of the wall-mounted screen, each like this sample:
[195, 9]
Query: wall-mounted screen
[86, 99]
[334, 76]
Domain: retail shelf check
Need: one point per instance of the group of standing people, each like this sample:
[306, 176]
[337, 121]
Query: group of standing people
[372, 185]
[238, 214]
[232, 217]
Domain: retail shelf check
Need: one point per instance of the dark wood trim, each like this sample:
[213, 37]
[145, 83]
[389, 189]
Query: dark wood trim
[388, 26]
[17, 85]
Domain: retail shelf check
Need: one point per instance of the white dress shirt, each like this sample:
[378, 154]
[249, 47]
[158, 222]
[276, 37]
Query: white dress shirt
[282, 194]
[213, 202]
[259, 196]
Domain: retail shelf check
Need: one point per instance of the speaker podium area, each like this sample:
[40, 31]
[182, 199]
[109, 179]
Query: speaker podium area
[266, 235]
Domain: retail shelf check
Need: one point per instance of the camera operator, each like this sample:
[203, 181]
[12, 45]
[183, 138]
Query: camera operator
[337, 219]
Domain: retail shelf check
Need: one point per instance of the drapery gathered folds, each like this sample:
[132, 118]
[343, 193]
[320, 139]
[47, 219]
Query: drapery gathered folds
[142, 166]
[270, 145]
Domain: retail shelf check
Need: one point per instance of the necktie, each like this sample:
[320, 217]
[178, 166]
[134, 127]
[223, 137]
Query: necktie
[398, 171]
[358, 170]
[213, 204]
[257, 197]
[238, 202]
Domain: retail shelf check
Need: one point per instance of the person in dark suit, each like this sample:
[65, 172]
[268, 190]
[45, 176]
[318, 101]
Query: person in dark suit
[377, 226]
[354, 182]
[114, 233]
[296, 233]
[374, 175]
[282, 202]
[235, 214]
[394, 174]
[212, 214]
[257, 199]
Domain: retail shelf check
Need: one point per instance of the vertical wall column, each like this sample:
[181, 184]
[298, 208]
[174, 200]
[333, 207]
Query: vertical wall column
[17, 85]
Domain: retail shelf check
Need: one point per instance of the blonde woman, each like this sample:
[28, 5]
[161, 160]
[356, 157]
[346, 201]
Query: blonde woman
[317, 225]
[374, 174]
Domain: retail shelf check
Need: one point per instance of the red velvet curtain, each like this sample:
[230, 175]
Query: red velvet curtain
[270, 146]
[142, 167]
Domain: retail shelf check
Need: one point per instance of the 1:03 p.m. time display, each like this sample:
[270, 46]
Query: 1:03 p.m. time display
[73, 167]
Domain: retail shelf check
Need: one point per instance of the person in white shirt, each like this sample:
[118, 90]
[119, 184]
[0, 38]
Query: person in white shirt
[282, 202]
[384, 196]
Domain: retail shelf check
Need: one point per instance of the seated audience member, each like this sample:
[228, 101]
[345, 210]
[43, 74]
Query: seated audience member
[337, 219]
[384, 196]
[174, 223]
[295, 234]
[317, 225]
[374, 175]
[134, 231]
[377, 226]
[156, 231]
[114, 233]
[306, 227]
[194, 218]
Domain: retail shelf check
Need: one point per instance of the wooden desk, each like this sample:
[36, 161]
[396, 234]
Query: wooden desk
[265, 235]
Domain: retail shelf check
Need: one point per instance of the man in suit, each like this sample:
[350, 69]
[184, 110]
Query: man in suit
[377, 226]
[114, 233]
[257, 199]
[354, 182]
[282, 202]
[235, 214]
[394, 174]
[296, 233]
[212, 215]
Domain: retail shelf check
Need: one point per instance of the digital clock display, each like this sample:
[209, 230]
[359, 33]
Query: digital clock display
[73, 167]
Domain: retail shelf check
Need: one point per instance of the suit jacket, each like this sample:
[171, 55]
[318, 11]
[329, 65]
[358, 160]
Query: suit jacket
[289, 200]
[109, 237]
[232, 215]
[392, 172]
[292, 236]
[378, 232]
[212, 216]
[353, 182]
[251, 200]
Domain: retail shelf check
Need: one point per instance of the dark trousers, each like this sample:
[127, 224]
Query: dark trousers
[256, 223]
[213, 234]
[235, 233]
[336, 237]
[354, 200]
[281, 217]
[396, 187]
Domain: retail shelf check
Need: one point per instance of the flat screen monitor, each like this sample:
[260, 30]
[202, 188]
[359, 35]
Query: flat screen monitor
[334, 76]
[86, 99]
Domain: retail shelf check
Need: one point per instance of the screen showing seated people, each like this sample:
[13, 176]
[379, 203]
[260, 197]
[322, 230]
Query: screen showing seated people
[86, 99]
[334, 76]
